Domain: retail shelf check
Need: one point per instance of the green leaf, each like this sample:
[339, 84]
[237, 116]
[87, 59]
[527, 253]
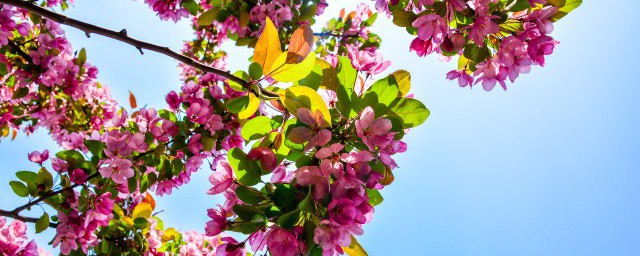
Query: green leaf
[289, 220]
[475, 53]
[19, 188]
[191, 6]
[411, 111]
[247, 171]
[238, 104]
[308, 204]
[82, 57]
[403, 18]
[250, 195]
[236, 86]
[285, 197]
[141, 223]
[96, 147]
[381, 94]
[27, 176]
[256, 128]
[42, 223]
[255, 71]
[375, 198]
[45, 178]
[566, 6]
[207, 17]
[347, 76]
[71, 156]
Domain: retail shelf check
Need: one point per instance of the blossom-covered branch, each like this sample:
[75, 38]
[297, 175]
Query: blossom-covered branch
[123, 37]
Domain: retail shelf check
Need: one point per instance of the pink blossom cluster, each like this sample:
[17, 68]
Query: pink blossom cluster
[13, 238]
[168, 9]
[56, 90]
[77, 230]
[499, 48]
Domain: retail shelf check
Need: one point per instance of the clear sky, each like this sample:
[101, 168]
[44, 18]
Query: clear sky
[550, 167]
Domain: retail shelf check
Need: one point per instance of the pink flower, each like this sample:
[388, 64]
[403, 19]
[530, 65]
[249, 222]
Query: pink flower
[312, 176]
[422, 47]
[330, 236]
[280, 175]
[539, 47]
[199, 113]
[373, 132]
[66, 239]
[218, 222]
[344, 212]
[368, 60]
[282, 242]
[221, 178]
[38, 157]
[464, 79]
[331, 159]
[431, 26]
[119, 170]
[482, 27]
[315, 134]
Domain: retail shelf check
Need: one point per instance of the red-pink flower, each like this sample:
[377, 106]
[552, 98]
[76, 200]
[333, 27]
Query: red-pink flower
[344, 212]
[282, 242]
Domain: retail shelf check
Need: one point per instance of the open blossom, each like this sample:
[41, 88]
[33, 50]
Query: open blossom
[344, 212]
[315, 134]
[38, 157]
[331, 236]
[368, 60]
[282, 242]
[312, 175]
[331, 161]
[118, 169]
[431, 26]
[482, 27]
[217, 223]
[221, 178]
[463, 78]
[373, 132]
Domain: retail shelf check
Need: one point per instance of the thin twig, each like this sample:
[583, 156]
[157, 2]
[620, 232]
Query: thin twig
[122, 36]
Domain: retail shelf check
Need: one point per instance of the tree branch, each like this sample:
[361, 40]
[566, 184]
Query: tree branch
[51, 194]
[22, 218]
[123, 37]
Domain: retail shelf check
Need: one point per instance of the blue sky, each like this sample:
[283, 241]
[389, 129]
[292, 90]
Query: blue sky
[550, 167]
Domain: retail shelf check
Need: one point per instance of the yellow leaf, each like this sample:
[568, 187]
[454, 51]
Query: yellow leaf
[132, 100]
[296, 97]
[403, 78]
[142, 210]
[287, 72]
[252, 107]
[300, 44]
[354, 249]
[170, 234]
[149, 199]
[268, 47]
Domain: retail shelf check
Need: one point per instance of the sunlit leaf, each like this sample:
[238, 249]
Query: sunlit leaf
[354, 249]
[291, 72]
[296, 97]
[268, 47]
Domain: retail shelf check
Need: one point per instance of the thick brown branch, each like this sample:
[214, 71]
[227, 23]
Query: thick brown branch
[123, 37]
[22, 218]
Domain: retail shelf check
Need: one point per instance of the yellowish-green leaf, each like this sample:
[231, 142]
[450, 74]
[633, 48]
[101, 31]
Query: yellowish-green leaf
[403, 78]
[142, 210]
[207, 18]
[296, 97]
[268, 47]
[354, 249]
[252, 107]
[287, 72]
